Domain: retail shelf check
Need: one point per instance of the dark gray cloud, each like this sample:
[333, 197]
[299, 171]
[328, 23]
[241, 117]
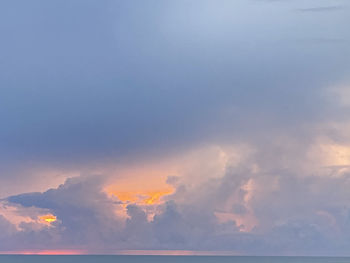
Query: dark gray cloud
[89, 80]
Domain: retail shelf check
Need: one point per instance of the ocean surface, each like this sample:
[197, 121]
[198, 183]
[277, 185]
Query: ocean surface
[166, 259]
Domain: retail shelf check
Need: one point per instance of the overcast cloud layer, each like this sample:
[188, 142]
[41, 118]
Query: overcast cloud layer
[91, 84]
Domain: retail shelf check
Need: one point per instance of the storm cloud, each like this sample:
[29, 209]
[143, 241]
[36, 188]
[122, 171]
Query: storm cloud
[86, 80]
[91, 87]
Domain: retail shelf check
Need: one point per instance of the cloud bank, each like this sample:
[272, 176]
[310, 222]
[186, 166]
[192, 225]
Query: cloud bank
[117, 87]
[253, 207]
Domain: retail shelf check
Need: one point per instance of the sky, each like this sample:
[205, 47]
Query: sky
[214, 126]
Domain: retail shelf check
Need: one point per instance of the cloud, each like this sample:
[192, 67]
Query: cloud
[93, 82]
[91, 88]
[79, 205]
[321, 9]
[6, 228]
[117, 84]
[253, 207]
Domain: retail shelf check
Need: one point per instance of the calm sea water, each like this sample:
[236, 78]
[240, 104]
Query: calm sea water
[166, 259]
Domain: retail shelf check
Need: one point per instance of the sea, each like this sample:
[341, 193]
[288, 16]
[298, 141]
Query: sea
[165, 259]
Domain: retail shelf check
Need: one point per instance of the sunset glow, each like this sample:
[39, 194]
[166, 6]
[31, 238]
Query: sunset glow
[142, 197]
[48, 218]
[45, 252]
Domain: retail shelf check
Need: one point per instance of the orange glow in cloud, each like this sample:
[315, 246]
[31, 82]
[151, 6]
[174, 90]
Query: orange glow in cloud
[142, 197]
[143, 186]
[154, 197]
[48, 219]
